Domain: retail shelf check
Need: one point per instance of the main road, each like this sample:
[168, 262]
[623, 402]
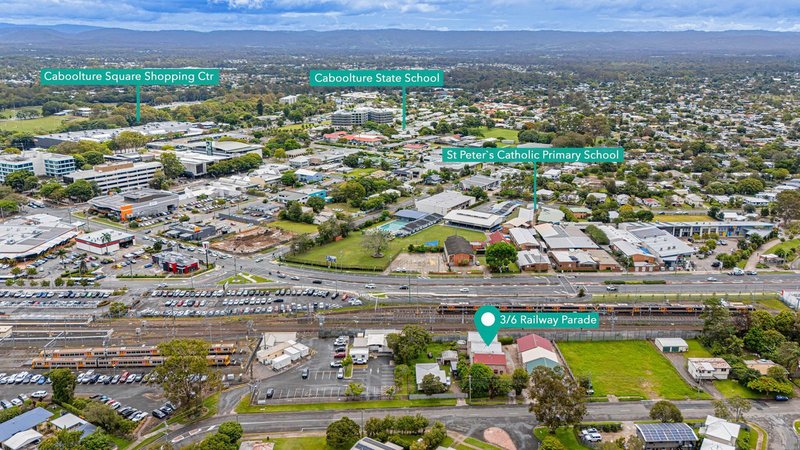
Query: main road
[472, 420]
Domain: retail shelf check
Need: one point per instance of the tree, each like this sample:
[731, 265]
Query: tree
[354, 390]
[721, 409]
[499, 385]
[718, 327]
[81, 190]
[316, 203]
[770, 385]
[288, 178]
[499, 255]
[279, 153]
[409, 344]
[130, 139]
[666, 411]
[519, 380]
[104, 416]
[260, 107]
[477, 380]
[342, 434]
[557, 399]
[97, 441]
[787, 205]
[376, 241]
[183, 370]
[738, 407]
[233, 430]
[432, 385]
[171, 165]
[117, 309]
[64, 381]
[788, 354]
[21, 180]
[63, 440]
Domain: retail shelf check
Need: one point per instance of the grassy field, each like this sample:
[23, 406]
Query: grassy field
[357, 173]
[244, 406]
[786, 246]
[696, 350]
[797, 426]
[294, 227]
[688, 297]
[46, 124]
[349, 251]
[500, 133]
[300, 443]
[773, 303]
[244, 278]
[627, 369]
[565, 435]
[683, 218]
[732, 388]
[341, 206]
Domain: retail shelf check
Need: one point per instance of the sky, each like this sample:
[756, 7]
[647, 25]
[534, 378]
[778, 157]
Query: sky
[323, 15]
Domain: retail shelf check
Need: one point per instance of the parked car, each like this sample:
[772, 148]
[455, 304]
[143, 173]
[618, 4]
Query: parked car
[270, 392]
[340, 373]
[781, 398]
[305, 373]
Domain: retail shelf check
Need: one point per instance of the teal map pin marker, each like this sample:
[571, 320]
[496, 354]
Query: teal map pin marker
[487, 322]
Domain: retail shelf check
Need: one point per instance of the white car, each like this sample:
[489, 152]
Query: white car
[369, 286]
[39, 394]
[463, 290]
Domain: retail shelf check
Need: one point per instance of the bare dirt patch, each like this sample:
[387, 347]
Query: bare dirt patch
[418, 263]
[499, 437]
[252, 240]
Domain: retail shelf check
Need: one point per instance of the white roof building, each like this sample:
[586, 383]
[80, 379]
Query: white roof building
[473, 219]
[423, 369]
[444, 202]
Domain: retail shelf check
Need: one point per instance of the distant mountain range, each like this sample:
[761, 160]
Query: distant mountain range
[394, 41]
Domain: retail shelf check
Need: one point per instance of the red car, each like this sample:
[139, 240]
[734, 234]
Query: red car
[339, 355]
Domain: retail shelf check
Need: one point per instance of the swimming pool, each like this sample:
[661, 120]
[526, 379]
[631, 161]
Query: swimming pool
[392, 226]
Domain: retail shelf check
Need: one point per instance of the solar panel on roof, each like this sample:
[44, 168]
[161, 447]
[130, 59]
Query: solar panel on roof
[667, 432]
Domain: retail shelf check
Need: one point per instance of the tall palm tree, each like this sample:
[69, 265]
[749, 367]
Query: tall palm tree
[106, 238]
[61, 253]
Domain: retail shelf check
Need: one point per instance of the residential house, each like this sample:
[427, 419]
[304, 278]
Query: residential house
[708, 368]
[423, 369]
[719, 434]
[495, 361]
[667, 436]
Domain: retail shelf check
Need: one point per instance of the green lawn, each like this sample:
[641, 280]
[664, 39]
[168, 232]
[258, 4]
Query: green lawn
[774, 303]
[732, 388]
[301, 443]
[480, 444]
[244, 278]
[797, 426]
[357, 173]
[47, 124]
[786, 246]
[341, 206]
[350, 252]
[696, 350]
[294, 227]
[121, 443]
[500, 133]
[627, 369]
[565, 435]
[244, 406]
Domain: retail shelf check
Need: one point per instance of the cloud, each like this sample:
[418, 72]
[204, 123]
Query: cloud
[574, 15]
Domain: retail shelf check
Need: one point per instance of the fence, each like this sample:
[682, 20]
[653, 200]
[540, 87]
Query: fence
[622, 335]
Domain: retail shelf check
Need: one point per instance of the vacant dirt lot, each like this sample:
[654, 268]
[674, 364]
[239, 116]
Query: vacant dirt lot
[252, 240]
[421, 263]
